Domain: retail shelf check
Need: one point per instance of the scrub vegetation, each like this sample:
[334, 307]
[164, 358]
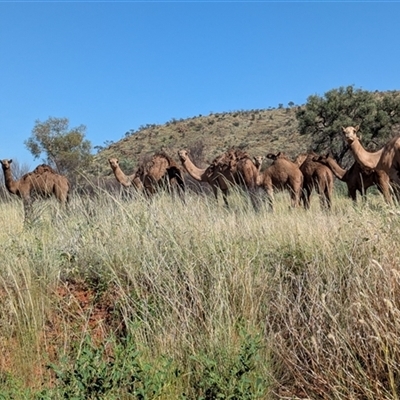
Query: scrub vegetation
[132, 299]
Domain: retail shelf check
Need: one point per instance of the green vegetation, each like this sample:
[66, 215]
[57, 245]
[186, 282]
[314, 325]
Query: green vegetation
[65, 149]
[129, 299]
[378, 114]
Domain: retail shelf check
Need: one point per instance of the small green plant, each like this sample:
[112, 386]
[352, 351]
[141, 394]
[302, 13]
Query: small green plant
[232, 376]
[109, 371]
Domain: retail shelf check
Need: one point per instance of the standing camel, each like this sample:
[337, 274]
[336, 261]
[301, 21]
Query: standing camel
[316, 176]
[280, 175]
[356, 178]
[234, 167]
[207, 175]
[125, 180]
[42, 182]
[385, 162]
[160, 171]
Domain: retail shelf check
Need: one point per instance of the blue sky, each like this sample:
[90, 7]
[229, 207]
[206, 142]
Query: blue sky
[114, 66]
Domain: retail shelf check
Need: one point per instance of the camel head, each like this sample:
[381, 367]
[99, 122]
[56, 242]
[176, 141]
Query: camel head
[6, 164]
[258, 161]
[299, 160]
[350, 133]
[323, 158]
[183, 155]
[274, 157]
[113, 163]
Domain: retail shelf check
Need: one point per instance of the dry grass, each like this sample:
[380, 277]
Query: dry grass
[322, 289]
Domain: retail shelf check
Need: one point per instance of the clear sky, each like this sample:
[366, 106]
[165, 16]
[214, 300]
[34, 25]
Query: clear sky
[114, 66]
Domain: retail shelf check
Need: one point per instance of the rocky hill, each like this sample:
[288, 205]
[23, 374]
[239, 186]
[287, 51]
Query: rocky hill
[256, 131]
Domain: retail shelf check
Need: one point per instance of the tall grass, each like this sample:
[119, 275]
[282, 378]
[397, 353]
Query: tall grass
[289, 304]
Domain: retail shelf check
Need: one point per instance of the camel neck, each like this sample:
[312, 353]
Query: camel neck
[337, 170]
[195, 172]
[121, 177]
[11, 185]
[364, 157]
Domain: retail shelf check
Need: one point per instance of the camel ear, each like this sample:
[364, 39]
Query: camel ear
[356, 128]
[343, 129]
[9, 161]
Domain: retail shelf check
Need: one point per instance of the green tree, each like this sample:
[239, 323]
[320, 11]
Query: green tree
[322, 117]
[65, 149]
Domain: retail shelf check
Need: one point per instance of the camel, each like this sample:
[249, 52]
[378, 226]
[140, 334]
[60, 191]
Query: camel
[160, 170]
[282, 174]
[258, 160]
[207, 175]
[316, 176]
[235, 167]
[356, 178]
[385, 162]
[42, 182]
[125, 180]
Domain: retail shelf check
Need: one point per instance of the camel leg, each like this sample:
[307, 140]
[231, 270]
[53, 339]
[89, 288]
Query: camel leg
[270, 198]
[255, 200]
[352, 193]
[294, 198]
[325, 199]
[225, 197]
[181, 186]
[384, 185]
[305, 196]
[28, 209]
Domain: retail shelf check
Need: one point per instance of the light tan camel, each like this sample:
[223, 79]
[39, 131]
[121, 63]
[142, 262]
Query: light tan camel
[282, 174]
[234, 167]
[356, 178]
[258, 160]
[42, 182]
[317, 177]
[125, 180]
[385, 162]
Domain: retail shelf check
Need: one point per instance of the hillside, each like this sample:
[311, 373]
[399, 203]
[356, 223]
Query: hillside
[256, 131]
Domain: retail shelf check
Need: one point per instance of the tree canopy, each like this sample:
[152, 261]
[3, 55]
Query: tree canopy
[378, 114]
[65, 149]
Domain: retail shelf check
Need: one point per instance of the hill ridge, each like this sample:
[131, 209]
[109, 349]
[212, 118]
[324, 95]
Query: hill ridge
[257, 131]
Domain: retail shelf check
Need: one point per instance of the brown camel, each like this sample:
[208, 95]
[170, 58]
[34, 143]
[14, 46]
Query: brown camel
[356, 178]
[208, 175]
[385, 162]
[316, 176]
[125, 180]
[235, 167]
[42, 182]
[161, 170]
[280, 175]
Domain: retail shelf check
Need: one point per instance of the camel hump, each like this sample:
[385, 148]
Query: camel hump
[230, 158]
[162, 155]
[42, 168]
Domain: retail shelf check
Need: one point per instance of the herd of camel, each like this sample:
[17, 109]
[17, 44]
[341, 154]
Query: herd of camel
[307, 172]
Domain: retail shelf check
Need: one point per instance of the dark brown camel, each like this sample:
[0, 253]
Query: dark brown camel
[356, 178]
